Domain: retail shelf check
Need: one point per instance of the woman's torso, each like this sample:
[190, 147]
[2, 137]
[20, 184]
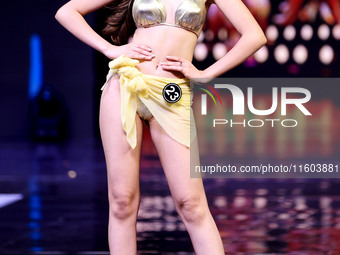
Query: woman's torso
[166, 41]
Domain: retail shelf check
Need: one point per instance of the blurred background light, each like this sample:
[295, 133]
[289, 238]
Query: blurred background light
[326, 54]
[201, 37]
[324, 32]
[222, 34]
[201, 52]
[261, 55]
[306, 32]
[300, 54]
[326, 13]
[336, 32]
[72, 174]
[281, 54]
[219, 50]
[272, 33]
[289, 33]
[209, 35]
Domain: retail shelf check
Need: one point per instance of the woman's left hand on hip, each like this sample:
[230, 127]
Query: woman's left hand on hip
[182, 65]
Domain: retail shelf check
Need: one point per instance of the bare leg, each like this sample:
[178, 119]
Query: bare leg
[122, 172]
[188, 193]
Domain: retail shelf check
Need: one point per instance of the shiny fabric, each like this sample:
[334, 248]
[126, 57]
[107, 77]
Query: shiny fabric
[189, 15]
[142, 111]
[174, 118]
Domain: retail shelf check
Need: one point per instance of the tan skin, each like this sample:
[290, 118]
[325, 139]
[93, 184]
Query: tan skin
[164, 51]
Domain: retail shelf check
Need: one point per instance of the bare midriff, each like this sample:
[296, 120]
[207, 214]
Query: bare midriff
[164, 41]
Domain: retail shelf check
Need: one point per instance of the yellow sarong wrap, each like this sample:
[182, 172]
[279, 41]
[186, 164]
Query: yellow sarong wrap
[174, 118]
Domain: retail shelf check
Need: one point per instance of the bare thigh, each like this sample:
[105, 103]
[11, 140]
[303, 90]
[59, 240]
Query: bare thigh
[175, 159]
[121, 160]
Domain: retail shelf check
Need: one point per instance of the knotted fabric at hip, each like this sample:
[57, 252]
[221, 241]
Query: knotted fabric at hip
[132, 85]
[174, 118]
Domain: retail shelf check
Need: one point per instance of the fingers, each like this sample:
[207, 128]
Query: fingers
[143, 47]
[135, 55]
[175, 63]
[174, 58]
[175, 66]
[138, 51]
[168, 63]
[142, 51]
[181, 65]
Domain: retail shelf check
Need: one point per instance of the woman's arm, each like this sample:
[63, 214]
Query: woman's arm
[71, 17]
[252, 37]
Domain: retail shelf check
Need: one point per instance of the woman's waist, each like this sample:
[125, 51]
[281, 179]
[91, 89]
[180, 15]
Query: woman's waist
[162, 47]
[164, 39]
[137, 79]
[155, 69]
[156, 75]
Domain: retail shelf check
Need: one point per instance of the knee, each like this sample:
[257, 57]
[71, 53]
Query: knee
[192, 209]
[123, 205]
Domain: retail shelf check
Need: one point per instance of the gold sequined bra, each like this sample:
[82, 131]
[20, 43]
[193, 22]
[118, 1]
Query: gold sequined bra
[189, 15]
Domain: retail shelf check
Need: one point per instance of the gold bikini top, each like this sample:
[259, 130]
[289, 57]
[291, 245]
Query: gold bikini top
[189, 15]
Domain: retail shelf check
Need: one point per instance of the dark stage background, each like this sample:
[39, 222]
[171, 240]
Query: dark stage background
[53, 194]
[77, 72]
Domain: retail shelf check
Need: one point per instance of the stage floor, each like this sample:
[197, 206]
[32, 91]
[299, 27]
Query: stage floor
[53, 200]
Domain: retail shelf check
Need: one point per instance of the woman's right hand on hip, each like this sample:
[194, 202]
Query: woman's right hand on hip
[131, 50]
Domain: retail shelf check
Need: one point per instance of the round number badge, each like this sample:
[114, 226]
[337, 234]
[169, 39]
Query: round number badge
[172, 93]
